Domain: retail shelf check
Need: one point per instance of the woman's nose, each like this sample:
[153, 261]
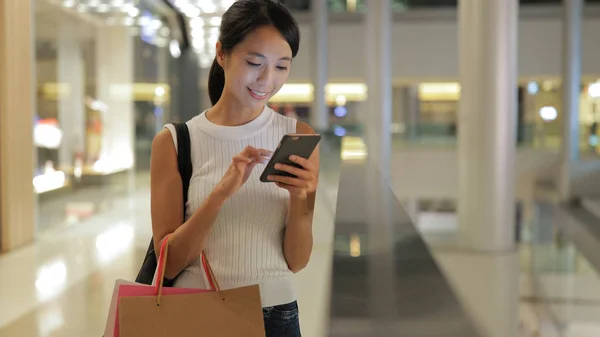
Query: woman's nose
[265, 75]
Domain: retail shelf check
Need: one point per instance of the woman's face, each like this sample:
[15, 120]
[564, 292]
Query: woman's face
[257, 67]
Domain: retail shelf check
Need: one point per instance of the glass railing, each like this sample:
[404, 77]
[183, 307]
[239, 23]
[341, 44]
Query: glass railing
[560, 287]
[530, 135]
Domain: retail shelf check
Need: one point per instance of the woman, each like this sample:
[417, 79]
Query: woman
[252, 232]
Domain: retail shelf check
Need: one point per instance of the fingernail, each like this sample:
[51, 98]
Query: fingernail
[293, 158]
[278, 166]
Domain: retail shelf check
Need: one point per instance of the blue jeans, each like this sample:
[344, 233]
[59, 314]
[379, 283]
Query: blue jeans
[282, 320]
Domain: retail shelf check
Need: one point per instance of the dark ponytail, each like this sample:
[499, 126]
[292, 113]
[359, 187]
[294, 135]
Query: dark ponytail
[216, 82]
[243, 17]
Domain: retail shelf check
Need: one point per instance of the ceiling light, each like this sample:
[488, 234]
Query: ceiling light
[594, 90]
[215, 21]
[69, 3]
[175, 49]
[197, 22]
[144, 21]
[181, 3]
[156, 24]
[133, 12]
[208, 7]
[192, 11]
[548, 113]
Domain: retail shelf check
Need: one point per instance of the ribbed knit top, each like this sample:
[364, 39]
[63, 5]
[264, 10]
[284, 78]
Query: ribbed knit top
[245, 246]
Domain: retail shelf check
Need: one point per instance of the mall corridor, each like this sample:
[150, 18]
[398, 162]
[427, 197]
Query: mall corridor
[459, 184]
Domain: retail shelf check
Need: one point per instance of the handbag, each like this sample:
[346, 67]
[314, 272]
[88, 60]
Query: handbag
[184, 164]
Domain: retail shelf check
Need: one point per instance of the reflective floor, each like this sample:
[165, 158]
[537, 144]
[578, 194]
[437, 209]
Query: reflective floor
[61, 285]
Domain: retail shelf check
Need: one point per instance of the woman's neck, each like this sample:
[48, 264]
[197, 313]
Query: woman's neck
[229, 112]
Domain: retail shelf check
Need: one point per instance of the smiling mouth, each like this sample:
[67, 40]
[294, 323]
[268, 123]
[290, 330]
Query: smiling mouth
[258, 94]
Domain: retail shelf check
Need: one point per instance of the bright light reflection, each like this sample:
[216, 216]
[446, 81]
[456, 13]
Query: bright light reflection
[51, 279]
[114, 242]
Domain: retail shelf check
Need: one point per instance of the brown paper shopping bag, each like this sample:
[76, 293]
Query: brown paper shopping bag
[218, 313]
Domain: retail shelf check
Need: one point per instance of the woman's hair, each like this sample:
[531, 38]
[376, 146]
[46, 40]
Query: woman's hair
[243, 17]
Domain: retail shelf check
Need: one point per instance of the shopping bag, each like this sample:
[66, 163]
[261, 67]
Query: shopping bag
[175, 312]
[125, 288]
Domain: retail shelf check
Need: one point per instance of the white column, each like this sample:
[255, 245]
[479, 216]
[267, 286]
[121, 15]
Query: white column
[486, 150]
[379, 83]
[487, 123]
[571, 81]
[71, 109]
[114, 58]
[319, 115]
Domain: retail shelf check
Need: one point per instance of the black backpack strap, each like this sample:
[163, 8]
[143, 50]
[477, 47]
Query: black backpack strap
[184, 159]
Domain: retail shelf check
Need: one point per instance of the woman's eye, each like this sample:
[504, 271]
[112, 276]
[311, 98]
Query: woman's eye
[252, 64]
[282, 68]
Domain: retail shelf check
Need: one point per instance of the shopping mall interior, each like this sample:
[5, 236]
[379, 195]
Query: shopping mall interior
[458, 192]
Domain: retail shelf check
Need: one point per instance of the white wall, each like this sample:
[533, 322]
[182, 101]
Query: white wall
[428, 49]
[423, 172]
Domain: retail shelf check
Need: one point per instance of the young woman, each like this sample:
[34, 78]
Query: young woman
[252, 232]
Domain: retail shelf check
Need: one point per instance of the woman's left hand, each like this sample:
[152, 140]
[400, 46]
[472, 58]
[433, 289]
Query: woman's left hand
[305, 181]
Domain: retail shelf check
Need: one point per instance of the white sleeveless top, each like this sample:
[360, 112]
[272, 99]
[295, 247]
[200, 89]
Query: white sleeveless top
[245, 246]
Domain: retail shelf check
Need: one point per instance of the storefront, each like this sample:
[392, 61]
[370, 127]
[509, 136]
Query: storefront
[101, 93]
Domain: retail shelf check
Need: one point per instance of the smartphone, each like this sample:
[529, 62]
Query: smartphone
[301, 145]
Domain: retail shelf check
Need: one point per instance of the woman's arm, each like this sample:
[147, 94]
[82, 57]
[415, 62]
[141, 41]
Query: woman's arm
[166, 199]
[298, 239]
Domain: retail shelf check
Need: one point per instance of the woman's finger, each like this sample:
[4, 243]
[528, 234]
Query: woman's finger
[305, 163]
[300, 173]
[242, 159]
[289, 181]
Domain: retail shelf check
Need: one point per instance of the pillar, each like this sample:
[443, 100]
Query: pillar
[487, 123]
[71, 107]
[379, 82]
[319, 115]
[17, 200]
[185, 86]
[486, 155]
[571, 71]
[406, 109]
[114, 74]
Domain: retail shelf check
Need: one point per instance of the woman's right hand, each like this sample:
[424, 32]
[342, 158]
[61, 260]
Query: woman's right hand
[240, 168]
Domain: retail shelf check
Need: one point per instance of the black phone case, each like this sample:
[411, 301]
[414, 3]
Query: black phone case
[299, 145]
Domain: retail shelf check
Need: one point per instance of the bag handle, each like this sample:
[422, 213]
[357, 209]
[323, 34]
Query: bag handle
[162, 266]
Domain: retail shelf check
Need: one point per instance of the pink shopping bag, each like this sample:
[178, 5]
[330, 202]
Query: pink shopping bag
[144, 311]
[131, 289]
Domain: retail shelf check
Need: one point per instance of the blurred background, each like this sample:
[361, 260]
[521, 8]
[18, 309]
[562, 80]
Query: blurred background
[460, 179]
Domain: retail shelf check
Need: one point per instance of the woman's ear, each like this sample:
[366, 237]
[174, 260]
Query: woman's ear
[220, 54]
